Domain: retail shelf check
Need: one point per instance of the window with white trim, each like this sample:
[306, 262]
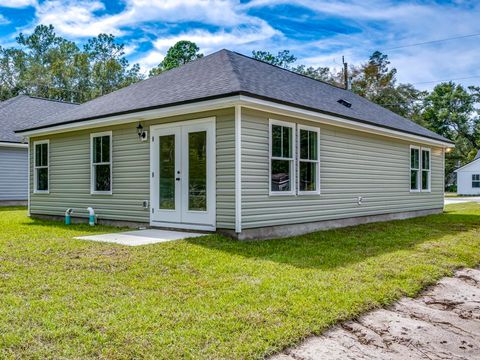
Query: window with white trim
[420, 168]
[41, 166]
[282, 148]
[308, 160]
[425, 178]
[414, 168]
[475, 180]
[101, 161]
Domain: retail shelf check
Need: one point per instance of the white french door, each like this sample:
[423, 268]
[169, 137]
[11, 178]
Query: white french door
[182, 187]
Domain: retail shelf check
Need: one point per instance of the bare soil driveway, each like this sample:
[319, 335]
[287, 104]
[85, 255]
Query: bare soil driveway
[443, 323]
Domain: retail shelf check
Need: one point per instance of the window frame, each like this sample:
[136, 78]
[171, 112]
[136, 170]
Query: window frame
[292, 160]
[300, 160]
[92, 165]
[422, 149]
[35, 167]
[476, 181]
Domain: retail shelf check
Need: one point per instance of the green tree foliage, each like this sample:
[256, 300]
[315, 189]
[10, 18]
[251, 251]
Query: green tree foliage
[318, 73]
[47, 65]
[109, 69]
[283, 59]
[181, 53]
[377, 82]
[452, 111]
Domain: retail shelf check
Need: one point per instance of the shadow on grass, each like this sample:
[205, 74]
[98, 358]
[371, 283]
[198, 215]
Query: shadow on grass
[340, 247]
[83, 227]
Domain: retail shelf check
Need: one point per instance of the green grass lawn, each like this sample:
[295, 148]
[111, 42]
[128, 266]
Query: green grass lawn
[210, 297]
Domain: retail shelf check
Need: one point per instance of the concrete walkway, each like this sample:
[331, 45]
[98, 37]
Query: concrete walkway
[457, 200]
[141, 237]
[443, 323]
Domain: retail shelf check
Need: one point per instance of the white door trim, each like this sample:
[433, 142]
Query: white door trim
[211, 174]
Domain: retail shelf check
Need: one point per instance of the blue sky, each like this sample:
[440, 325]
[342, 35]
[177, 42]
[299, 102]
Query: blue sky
[318, 32]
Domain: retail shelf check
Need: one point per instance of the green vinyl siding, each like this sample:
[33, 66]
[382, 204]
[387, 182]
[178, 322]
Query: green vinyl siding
[70, 172]
[352, 164]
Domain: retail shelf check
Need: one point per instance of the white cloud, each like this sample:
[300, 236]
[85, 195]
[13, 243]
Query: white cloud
[387, 24]
[4, 20]
[17, 3]
[80, 18]
[230, 24]
[238, 38]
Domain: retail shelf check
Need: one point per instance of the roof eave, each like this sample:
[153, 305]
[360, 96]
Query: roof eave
[222, 101]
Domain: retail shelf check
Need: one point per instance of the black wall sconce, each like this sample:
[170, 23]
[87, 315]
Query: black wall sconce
[142, 134]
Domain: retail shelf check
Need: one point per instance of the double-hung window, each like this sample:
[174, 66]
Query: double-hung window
[101, 161]
[475, 180]
[41, 163]
[282, 155]
[420, 169]
[308, 160]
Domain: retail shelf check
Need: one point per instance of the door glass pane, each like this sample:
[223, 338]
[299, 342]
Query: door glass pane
[167, 172]
[197, 171]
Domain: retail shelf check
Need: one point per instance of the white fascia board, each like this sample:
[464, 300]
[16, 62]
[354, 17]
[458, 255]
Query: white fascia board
[292, 111]
[16, 145]
[169, 111]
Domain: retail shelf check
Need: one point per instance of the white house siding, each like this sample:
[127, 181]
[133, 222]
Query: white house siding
[464, 179]
[352, 164]
[70, 172]
[13, 173]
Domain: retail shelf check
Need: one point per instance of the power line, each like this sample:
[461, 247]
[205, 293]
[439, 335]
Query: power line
[445, 80]
[432, 41]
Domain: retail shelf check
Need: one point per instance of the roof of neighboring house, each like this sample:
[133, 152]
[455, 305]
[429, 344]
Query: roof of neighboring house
[227, 73]
[25, 111]
[477, 157]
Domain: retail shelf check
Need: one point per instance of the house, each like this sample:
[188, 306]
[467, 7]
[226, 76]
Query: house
[232, 144]
[20, 111]
[468, 177]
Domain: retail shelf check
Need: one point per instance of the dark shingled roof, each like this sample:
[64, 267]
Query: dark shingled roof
[226, 73]
[25, 111]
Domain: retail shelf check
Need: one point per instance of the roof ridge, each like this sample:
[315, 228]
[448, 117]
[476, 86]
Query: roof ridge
[233, 68]
[54, 100]
[288, 70]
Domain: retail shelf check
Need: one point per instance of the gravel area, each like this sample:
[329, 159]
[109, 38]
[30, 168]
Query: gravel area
[443, 323]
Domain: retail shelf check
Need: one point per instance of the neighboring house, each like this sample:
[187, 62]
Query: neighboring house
[468, 177]
[20, 111]
[233, 144]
